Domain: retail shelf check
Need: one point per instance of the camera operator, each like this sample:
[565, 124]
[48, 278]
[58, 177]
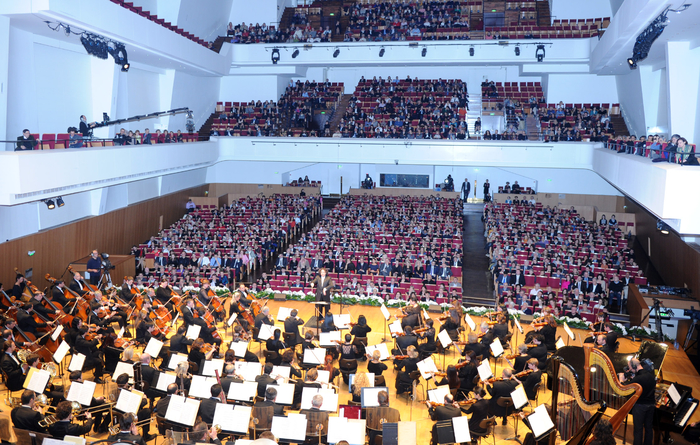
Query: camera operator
[642, 373]
[85, 127]
[94, 267]
[449, 184]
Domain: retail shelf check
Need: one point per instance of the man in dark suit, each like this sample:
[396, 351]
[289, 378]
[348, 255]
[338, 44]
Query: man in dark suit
[445, 412]
[385, 269]
[188, 313]
[206, 333]
[323, 285]
[208, 407]
[78, 285]
[604, 346]
[127, 431]
[281, 263]
[26, 322]
[263, 318]
[432, 269]
[316, 263]
[270, 397]
[406, 340]
[499, 389]
[291, 324]
[26, 142]
[24, 417]
[517, 278]
[15, 370]
[162, 406]
[265, 379]
[65, 426]
[540, 350]
[319, 417]
[92, 356]
[178, 342]
[148, 375]
[228, 377]
[58, 293]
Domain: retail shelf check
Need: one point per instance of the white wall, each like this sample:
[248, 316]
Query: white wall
[138, 94]
[200, 94]
[247, 88]
[4, 67]
[630, 93]
[581, 88]
[19, 220]
[588, 9]
[258, 11]
[205, 18]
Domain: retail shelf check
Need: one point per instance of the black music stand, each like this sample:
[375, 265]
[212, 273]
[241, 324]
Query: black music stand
[317, 313]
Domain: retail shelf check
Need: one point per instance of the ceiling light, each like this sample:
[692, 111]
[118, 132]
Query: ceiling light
[539, 53]
[295, 53]
[59, 202]
[424, 52]
[517, 51]
[50, 204]
[275, 57]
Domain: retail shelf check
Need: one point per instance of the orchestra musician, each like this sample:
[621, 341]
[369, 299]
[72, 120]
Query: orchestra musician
[65, 426]
[110, 315]
[375, 366]
[53, 393]
[236, 299]
[604, 346]
[128, 291]
[264, 317]
[291, 325]
[206, 333]
[532, 379]
[539, 351]
[412, 314]
[264, 379]
[309, 382]
[473, 345]
[597, 328]
[323, 285]
[361, 329]
[164, 294]
[501, 388]
[239, 335]
[39, 308]
[78, 286]
[447, 411]
[467, 372]
[487, 337]
[429, 336]
[162, 406]
[207, 407]
[127, 431]
[274, 344]
[93, 357]
[404, 382]
[452, 325]
[27, 323]
[479, 410]
[58, 294]
[204, 297]
[102, 419]
[270, 397]
[376, 414]
[500, 329]
[144, 413]
[10, 325]
[188, 312]
[229, 376]
[403, 342]
[27, 416]
[179, 342]
[451, 378]
[15, 371]
[522, 358]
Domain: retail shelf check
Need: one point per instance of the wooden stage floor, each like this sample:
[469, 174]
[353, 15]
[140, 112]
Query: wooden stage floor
[677, 367]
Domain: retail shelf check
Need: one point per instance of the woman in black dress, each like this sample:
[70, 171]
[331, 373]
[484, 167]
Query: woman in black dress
[405, 368]
[361, 329]
[274, 344]
[375, 366]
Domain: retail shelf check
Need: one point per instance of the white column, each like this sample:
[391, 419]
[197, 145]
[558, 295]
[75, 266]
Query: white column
[683, 67]
[4, 63]
[104, 86]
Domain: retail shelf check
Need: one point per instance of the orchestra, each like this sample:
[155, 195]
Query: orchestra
[193, 332]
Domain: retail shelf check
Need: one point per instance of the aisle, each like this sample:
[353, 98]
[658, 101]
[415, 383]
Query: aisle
[475, 264]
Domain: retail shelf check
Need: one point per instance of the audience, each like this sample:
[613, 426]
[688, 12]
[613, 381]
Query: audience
[655, 147]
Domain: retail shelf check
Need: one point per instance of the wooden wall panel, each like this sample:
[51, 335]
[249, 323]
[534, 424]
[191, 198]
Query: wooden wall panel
[114, 233]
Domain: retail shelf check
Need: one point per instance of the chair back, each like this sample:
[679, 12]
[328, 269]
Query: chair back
[488, 424]
[256, 331]
[360, 341]
[379, 381]
[347, 364]
[313, 420]
[289, 338]
[270, 355]
[381, 414]
[414, 375]
[26, 437]
[264, 415]
[505, 402]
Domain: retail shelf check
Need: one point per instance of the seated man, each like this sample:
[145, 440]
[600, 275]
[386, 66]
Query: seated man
[25, 417]
[270, 397]
[446, 411]
[376, 414]
[65, 426]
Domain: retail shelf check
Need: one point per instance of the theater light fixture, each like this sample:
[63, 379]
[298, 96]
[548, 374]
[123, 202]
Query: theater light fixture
[50, 204]
[96, 45]
[118, 52]
[663, 227]
[471, 51]
[295, 54]
[424, 52]
[539, 53]
[275, 57]
[336, 52]
[59, 202]
[647, 37]
[381, 52]
[517, 51]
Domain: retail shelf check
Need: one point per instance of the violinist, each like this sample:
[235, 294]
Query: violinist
[73, 331]
[264, 379]
[309, 382]
[239, 335]
[448, 410]
[467, 372]
[540, 350]
[288, 361]
[308, 342]
[404, 341]
[238, 307]
[291, 325]
[451, 325]
[179, 342]
[78, 286]
[347, 350]
[532, 379]
[206, 333]
[549, 332]
[412, 314]
[597, 327]
[164, 294]
[328, 324]
[473, 345]
[27, 416]
[148, 374]
[197, 354]
[360, 381]
[479, 411]
[103, 315]
[375, 366]
[451, 378]
[87, 345]
[229, 376]
[429, 336]
[404, 383]
[522, 358]
[274, 344]
[264, 318]
[486, 338]
[604, 346]
[500, 329]
[15, 370]
[501, 388]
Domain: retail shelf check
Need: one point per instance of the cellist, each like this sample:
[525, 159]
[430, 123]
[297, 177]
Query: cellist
[164, 294]
[78, 286]
[59, 293]
[128, 291]
[205, 295]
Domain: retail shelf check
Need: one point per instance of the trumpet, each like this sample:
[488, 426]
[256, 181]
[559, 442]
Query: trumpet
[115, 429]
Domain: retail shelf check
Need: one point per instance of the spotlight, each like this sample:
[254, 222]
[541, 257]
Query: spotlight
[471, 51]
[662, 227]
[424, 52]
[539, 53]
[632, 63]
[125, 68]
[517, 51]
[50, 204]
[336, 52]
[59, 202]
[295, 54]
[381, 52]
[275, 56]
[118, 52]
[67, 31]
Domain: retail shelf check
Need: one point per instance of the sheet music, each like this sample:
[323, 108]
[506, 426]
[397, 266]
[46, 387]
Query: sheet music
[81, 392]
[56, 332]
[123, 368]
[484, 370]
[342, 321]
[243, 442]
[395, 328]
[519, 397]
[438, 394]
[369, 396]
[517, 322]
[280, 371]
[266, 331]
[425, 315]
[120, 334]
[283, 313]
[673, 393]
[232, 418]
[76, 362]
[560, 343]
[193, 332]
[407, 433]
[36, 380]
[182, 410]
[292, 427]
[330, 398]
[691, 410]
[568, 331]
[61, 352]
[232, 319]
[314, 356]
[385, 312]
[426, 366]
[470, 322]
[341, 428]
[444, 338]
[285, 393]
[540, 422]
[201, 386]
[382, 348]
[165, 379]
[496, 347]
[216, 364]
[153, 347]
[175, 359]
[129, 401]
[239, 348]
[248, 371]
[325, 339]
[243, 392]
[460, 425]
[370, 379]
[323, 376]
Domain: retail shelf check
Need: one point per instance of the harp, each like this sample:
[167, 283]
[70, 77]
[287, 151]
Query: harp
[573, 416]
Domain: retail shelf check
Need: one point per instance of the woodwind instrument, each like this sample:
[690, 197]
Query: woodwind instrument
[218, 380]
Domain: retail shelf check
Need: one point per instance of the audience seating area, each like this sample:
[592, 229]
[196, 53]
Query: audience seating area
[51, 141]
[560, 29]
[407, 231]
[577, 122]
[249, 230]
[519, 237]
[245, 119]
[521, 94]
[154, 18]
[678, 150]
[409, 108]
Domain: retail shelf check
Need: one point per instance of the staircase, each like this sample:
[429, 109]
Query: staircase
[619, 125]
[544, 17]
[473, 112]
[532, 127]
[205, 129]
[339, 112]
[218, 43]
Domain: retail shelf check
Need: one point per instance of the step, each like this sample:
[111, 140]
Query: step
[468, 301]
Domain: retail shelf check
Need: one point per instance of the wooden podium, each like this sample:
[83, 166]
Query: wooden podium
[123, 265]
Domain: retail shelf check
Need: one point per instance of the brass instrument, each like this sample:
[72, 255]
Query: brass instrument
[13, 402]
[78, 409]
[23, 354]
[47, 421]
[51, 368]
[115, 429]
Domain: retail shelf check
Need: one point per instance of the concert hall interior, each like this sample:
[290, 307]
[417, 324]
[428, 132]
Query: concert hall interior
[349, 221]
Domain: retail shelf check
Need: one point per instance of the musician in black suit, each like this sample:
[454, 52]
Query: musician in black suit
[447, 411]
[540, 350]
[522, 358]
[291, 324]
[15, 371]
[127, 431]
[403, 342]
[604, 346]
[58, 293]
[65, 426]
[323, 285]
[610, 335]
[164, 294]
[643, 411]
[228, 377]
[188, 312]
[25, 417]
[532, 379]
[500, 329]
[405, 368]
[501, 388]
[479, 410]
[486, 339]
[26, 322]
[270, 397]
[88, 348]
[206, 333]
[264, 318]
[208, 407]
[162, 406]
[265, 379]
[178, 342]
[78, 285]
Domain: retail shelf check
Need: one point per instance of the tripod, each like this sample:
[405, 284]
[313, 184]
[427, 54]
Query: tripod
[657, 314]
[687, 345]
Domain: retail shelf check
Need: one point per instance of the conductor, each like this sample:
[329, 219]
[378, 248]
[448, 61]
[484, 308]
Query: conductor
[323, 284]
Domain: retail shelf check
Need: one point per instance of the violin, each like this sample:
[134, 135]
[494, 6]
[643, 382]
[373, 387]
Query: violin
[461, 365]
[400, 357]
[420, 330]
[460, 403]
[439, 374]
[539, 325]
[525, 373]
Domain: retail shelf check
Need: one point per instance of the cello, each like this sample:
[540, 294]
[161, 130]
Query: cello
[10, 303]
[30, 345]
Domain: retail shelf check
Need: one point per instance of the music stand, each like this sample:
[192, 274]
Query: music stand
[317, 309]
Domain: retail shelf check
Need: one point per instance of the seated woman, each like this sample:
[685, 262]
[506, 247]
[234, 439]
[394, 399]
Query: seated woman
[375, 365]
[360, 381]
[288, 360]
[274, 344]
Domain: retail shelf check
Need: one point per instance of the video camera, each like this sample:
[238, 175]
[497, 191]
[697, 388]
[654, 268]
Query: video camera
[693, 313]
[106, 263]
